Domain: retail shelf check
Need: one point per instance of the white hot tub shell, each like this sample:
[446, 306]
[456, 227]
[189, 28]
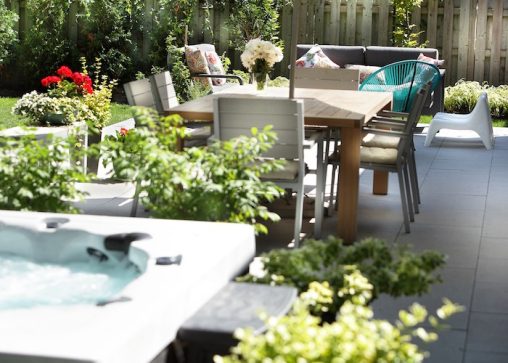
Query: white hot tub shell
[156, 303]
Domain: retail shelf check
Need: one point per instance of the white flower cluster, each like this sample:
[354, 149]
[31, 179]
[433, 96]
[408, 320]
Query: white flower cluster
[36, 106]
[260, 49]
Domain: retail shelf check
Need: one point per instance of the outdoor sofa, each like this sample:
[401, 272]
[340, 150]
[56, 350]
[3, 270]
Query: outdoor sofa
[376, 56]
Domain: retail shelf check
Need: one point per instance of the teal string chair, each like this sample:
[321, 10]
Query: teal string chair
[403, 79]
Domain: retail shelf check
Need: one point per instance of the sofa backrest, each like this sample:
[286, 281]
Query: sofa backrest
[339, 54]
[381, 56]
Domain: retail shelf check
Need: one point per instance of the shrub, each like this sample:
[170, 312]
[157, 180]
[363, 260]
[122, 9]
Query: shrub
[220, 182]
[355, 336]
[8, 35]
[37, 175]
[391, 269]
[109, 38]
[462, 97]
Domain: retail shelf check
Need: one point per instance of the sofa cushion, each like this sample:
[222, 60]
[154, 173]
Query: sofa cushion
[436, 62]
[339, 54]
[215, 67]
[381, 56]
[196, 61]
[365, 71]
[315, 58]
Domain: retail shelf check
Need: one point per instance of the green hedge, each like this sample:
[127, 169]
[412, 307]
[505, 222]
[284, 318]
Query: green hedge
[462, 97]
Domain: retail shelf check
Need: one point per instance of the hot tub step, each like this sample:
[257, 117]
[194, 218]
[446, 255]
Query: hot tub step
[237, 305]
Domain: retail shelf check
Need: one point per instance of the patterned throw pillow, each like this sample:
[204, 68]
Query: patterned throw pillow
[365, 71]
[436, 62]
[215, 67]
[197, 63]
[315, 58]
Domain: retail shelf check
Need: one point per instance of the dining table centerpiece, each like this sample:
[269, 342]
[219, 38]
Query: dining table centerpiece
[259, 57]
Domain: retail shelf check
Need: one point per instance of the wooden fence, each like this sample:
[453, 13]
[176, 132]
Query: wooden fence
[471, 35]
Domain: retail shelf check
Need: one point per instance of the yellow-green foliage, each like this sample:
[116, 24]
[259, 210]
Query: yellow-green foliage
[355, 336]
[462, 97]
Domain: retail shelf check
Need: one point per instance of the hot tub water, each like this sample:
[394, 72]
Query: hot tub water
[25, 283]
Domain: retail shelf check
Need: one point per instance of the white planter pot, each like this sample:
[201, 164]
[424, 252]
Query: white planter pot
[78, 129]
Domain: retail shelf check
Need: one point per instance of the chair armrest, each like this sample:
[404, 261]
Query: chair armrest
[227, 76]
[392, 114]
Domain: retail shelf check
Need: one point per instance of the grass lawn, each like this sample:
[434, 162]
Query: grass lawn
[119, 112]
[496, 122]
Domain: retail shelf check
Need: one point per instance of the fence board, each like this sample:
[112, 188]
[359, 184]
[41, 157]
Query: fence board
[495, 49]
[462, 61]
[447, 53]
[383, 28]
[335, 22]
[367, 22]
[432, 11]
[351, 22]
[319, 10]
[481, 40]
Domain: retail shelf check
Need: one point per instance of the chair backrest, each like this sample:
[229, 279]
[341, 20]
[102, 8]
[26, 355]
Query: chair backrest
[163, 91]
[236, 116]
[413, 118]
[156, 91]
[403, 79]
[327, 78]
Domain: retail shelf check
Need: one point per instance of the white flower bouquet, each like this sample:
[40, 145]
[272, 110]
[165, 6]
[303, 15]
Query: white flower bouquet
[259, 58]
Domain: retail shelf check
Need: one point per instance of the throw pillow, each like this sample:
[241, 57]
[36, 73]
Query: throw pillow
[215, 67]
[315, 58]
[436, 62]
[197, 63]
[365, 71]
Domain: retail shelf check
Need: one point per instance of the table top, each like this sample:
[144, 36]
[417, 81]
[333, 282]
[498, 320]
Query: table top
[322, 107]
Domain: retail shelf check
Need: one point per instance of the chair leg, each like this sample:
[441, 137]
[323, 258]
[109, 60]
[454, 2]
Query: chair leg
[298, 216]
[135, 201]
[415, 174]
[403, 201]
[432, 131]
[320, 188]
[407, 187]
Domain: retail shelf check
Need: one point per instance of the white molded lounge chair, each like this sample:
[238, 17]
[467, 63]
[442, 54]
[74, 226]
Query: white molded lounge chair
[479, 120]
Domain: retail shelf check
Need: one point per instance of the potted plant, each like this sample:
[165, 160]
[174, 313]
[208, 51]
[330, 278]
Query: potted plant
[391, 269]
[72, 102]
[38, 176]
[220, 182]
[355, 336]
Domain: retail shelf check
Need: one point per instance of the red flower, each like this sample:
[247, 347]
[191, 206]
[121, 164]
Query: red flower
[64, 72]
[87, 80]
[49, 80]
[87, 88]
[77, 78]
[123, 131]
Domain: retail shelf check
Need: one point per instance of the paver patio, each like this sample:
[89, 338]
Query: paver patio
[464, 191]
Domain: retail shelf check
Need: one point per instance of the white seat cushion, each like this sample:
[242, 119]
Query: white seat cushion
[378, 155]
[384, 141]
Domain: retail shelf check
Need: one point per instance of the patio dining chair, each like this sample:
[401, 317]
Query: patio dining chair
[394, 159]
[327, 78]
[403, 79]
[235, 116]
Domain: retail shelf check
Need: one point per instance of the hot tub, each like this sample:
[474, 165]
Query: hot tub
[175, 267]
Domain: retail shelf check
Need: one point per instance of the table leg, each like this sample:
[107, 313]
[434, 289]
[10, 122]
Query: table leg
[348, 183]
[380, 183]
[320, 184]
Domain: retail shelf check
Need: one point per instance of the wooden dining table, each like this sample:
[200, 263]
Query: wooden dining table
[346, 110]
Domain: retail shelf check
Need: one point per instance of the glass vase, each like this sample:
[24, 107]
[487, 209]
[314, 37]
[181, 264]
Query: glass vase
[260, 80]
